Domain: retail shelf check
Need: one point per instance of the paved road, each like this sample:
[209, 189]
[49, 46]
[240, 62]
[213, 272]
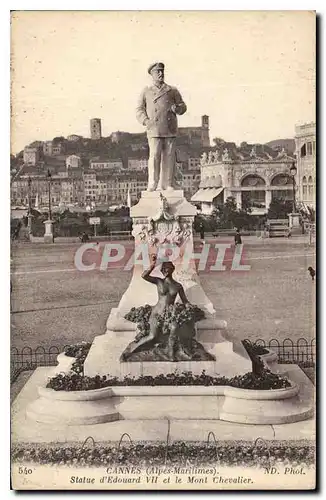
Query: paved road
[53, 303]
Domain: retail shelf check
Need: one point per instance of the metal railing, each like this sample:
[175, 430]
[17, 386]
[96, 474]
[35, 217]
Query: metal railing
[290, 351]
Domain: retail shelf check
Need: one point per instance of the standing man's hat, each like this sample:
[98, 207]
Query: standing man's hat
[157, 65]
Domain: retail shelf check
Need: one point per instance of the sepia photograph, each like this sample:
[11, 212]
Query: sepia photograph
[163, 250]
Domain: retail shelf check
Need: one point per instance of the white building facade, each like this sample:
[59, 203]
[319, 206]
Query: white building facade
[73, 161]
[256, 179]
[137, 164]
[305, 148]
[105, 164]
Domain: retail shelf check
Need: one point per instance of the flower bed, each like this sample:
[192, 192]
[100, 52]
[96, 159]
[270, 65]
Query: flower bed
[78, 351]
[260, 379]
[266, 380]
[178, 314]
[179, 453]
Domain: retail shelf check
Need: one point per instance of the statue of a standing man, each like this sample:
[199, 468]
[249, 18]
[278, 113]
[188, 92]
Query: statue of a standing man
[157, 109]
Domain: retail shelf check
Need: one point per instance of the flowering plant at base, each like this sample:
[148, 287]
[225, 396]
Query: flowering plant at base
[178, 314]
[75, 380]
[181, 454]
[266, 380]
[78, 351]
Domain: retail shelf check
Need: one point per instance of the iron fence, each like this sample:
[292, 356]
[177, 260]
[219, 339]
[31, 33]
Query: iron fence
[40, 356]
[28, 358]
[301, 351]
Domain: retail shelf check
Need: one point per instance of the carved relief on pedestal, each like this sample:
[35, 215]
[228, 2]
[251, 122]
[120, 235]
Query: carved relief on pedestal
[174, 232]
[163, 227]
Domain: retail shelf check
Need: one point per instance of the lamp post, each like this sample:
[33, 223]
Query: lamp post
[48, 236]
[294, 217]
[49, 177]
[29, 213]
[29, 184]
[293, 172]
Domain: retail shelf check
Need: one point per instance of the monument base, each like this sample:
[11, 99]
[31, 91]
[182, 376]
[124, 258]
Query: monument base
[231, 358]
[104, 407]
[294, 220]
[48, 236]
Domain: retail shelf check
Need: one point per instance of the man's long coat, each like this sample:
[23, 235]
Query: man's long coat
[154, 110]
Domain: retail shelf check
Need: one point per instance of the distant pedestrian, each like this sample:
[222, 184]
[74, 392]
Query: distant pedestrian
[312, 273]
[84, 237]
[16, 233]
[302, 226]
[202, 232]
[237, 238]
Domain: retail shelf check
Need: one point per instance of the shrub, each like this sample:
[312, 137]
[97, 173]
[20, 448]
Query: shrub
[266, 380]
[142, 454]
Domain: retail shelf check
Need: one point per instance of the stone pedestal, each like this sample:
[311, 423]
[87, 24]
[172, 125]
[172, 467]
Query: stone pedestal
[48, 236]
[294, 220]
[29, 223]
[171, 232]
[162, 223]
[105, 414]
[294, 224]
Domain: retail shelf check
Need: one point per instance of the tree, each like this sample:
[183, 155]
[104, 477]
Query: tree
[58, 139]
[308, 214]
[279, 209]
[246, 202]
[218, 141]
[229, 216]
[227, 213]
[312, 214]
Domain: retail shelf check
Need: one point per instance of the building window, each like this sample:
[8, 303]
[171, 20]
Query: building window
[304, 187]
[281, 180]
[309, 148]
[254, 198]
[310, 187]
[280, 194]
[253, 180]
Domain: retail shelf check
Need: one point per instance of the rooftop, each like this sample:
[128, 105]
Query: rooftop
[104, 159]
[228, 151]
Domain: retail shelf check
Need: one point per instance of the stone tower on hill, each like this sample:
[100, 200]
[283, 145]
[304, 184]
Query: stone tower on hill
[205, 131]
[96, 130]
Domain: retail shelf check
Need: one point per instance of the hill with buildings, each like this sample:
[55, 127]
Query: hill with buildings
[278, 144]
[106, 170]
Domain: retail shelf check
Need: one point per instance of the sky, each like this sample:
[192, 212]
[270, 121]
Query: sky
[252, 72]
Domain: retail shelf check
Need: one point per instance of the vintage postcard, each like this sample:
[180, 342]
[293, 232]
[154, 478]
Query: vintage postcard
[163, 250]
